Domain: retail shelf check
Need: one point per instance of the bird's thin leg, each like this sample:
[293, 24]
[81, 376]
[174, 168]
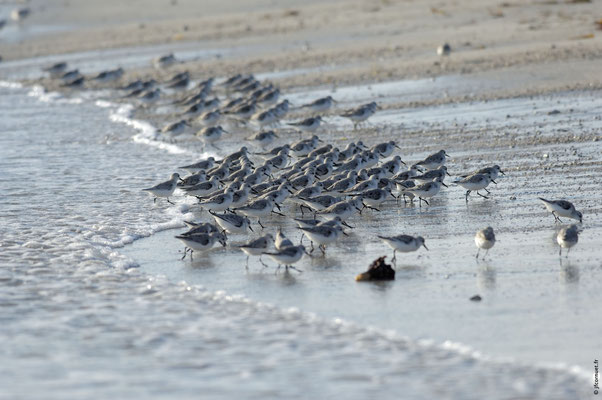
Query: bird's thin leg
[467, 193]
[259, 222]
[486, 252]
[154, 200]
[185, 251]
[312, 246]
[247, 264]
[191, 251]
[488, 192]
[394, 256]
[483, 196]
[323, 248]
[567, 252]
[262, 263]
[169, 201]
[277, 269]
[293, 268]
[560, 252]
[478, 251]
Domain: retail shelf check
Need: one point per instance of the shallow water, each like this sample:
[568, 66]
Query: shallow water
[81, 312]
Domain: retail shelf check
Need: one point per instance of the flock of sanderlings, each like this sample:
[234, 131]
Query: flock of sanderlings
[326, 182]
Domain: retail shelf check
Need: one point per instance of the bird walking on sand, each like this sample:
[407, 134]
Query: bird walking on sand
[562, 208]
[403, 243]
[484, 239]
[164, 189]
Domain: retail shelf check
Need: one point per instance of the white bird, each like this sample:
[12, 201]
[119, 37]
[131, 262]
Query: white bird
[308, 125]
[403, 243]
[256, 247]
[323, 235]
[282, 241]
[232, 223]
[219, 202]
[484, 239]
[426, 190]
[200, 242]
[202, 165]
[257, 208]
[434, 160]
[320, 105]
[264, 138]
[203, 188]
[567, 237]
[164, 189]
[288, 256]
[562, 208]
[361, 113]
[475, 183]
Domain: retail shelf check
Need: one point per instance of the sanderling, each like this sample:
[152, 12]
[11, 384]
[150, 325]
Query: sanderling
[493, 172]
[202, 165]
[475, 183]
[175, 129]
[402, 187]
[150, 96]
[56, 69]
[344, 184]
[320, 105]
[433, 161]
[288, 256]
[444, 49]
[265, 118]
[164, 189]
[384, 150]
[20, 13]
[323, 235]
[369, 184]
[432, 174]
[219, 202]
[257, 208]
[243, 111]
[210, 118]
[393, 166]
[193, 179]
[109, 76]
[240, 197]
[211, 134]
[373, 198]
[270, 97]
[484, 239]
[320, 203]
[256, 247]
[403, 243]
[343, 209]
[200, 242]
[308, 125]
[282, 241]
[562, 208]
[203, 188]
[74, 82]
[179, 84]
[361, 113]
[198, 228]
[164, 61]
[232, 223]
[567, 237]
[405, 175]
[426, 190]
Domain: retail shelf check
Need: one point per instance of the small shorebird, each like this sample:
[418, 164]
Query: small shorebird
[202, 165]
[264, 138]
[200, 242]
[433, 161]
[567, 237]
[218, 202]
[256, 247]
[384, 150]
[403, 243]
[475, 183]
[232, 223]
[426, 190]
[323, 235]
[308, 125]
[164, 61]
[56, 69]
[320, 105]
[203, 188]
[361, 113]
[281, 241]
[288, 256]
[211, 134]
[562, 208]
[164, 189]
[484, 239]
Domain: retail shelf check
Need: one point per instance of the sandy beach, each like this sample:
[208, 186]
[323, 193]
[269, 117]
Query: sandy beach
[99, 303]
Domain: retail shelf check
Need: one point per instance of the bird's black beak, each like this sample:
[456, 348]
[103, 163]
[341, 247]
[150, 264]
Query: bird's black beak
[344, 233]
[447, 173]
[398, 148]
[346, 224]
[494, 181]
[424, 245]
[502, 172]
[444, 184]
[402, 161]
[251, 228]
